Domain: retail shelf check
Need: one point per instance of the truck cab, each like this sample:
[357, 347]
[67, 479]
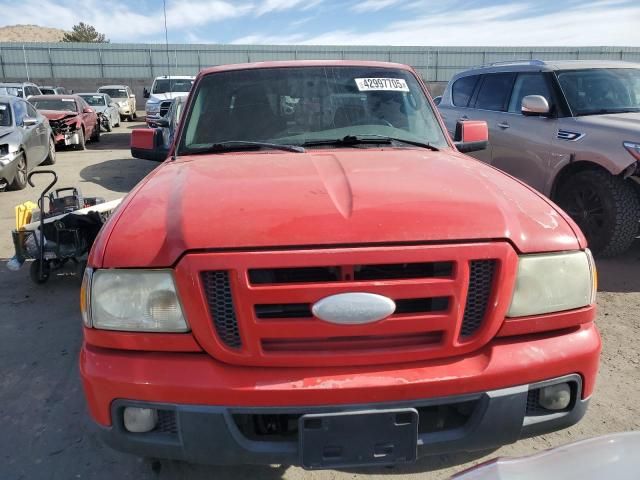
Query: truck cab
[317, 275]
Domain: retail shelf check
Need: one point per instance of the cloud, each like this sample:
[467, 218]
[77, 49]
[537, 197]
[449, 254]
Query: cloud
[269, 6]
[591, 24]
[373, 5]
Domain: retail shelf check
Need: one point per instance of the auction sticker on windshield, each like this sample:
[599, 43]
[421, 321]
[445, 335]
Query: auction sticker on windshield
[393, 84]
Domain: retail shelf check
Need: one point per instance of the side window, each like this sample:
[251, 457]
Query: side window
[462, 90]
[528, 84]
[20, 111]
[31, 112]
[495, 91]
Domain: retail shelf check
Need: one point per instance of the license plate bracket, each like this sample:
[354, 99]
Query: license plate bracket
[356, 439]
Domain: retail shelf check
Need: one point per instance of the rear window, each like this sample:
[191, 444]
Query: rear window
[94, 100]
[14, 91]
[495, 91]
[114, 92]
[462, 90]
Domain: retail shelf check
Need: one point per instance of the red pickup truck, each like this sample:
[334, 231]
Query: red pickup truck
[318, 276]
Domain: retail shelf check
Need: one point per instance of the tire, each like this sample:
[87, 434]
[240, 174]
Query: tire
[82, 142]
[51, 157]
[108, 126]
[34, 272]
[134, 115]
[605, 207]
[95, 135]
[20, 180]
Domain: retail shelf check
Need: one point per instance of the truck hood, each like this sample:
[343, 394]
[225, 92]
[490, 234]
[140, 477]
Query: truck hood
[58, 114]
[325, 197]
[629, 122]
[159, 97]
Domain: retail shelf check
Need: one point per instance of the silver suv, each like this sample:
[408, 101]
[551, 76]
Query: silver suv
[570, 129]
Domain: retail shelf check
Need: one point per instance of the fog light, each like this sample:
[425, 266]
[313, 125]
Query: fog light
[555, 397]
[140, 420]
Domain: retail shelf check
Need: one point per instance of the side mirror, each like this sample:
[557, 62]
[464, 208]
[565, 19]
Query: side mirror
[87, 110]
[535, 105]
[471, 136]
[162, 122]
[146, 143]
[29, 121]
[145, 93]
[113, 104]
[133, 95]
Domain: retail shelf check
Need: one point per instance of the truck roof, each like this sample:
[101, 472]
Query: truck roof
[305, 63]
[545, 66]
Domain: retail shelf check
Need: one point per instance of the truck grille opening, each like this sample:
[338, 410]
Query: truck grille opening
[303, 310]
[351, 344]
[284, 427]
[360, 273]
[164, 107]
[480, 287]
[221, 308]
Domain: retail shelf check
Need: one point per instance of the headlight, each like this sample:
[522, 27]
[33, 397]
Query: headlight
[133, 300]
[553, 283]
[153, 107]
[633, 148]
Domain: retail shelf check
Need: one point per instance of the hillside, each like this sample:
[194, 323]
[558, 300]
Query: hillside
[30, 33]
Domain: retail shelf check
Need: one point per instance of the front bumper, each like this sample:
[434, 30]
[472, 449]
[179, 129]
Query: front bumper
[204, 393]
[151, 118]
[220, 436]
[67, 138]
[8, 169]
[127, 110]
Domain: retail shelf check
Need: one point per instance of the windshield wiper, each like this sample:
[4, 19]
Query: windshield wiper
[239, 145]
[371, 138]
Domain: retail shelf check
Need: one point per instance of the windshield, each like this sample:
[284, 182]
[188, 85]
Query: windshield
[94, 100]
[61, 104]
[14, 91]
[114, 92]
[305, 104]
[177, 85]
[601, 90]
[47, 91]
[5, 115]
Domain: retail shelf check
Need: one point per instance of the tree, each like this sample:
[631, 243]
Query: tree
[83, 32]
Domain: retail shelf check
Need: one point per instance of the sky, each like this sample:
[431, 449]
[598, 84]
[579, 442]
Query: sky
[348, 22]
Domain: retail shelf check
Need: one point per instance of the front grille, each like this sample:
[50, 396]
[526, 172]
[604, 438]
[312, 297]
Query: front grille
[221, 308]
[480, 286]
[259, 303]
[167, 422]
[164, 108]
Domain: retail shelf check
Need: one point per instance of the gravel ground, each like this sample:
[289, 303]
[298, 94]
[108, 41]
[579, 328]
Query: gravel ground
[46, 431]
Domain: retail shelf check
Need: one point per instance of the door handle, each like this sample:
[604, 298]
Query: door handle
[503, 125]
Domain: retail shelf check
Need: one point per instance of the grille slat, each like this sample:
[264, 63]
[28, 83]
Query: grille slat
[480, 286]
[220, 300]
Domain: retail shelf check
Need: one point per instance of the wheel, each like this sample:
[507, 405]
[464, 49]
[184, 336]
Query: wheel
[108, 127]
[34, 272]
[81, 145]
[123, 118]
[95, 135]
[20, 180]
[134, 115]
[51, 157]
[605, 207]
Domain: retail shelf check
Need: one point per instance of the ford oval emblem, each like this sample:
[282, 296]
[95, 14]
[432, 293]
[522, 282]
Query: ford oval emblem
[354, 308]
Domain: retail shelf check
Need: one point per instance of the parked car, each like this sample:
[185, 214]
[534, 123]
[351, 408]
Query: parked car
[162, 136]
[105, 107]
[21, 89]
[48, 90]
[570, 129]
[125, 99]
[72, 120]
[318, 276]
[163, 91]
[26, 141]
